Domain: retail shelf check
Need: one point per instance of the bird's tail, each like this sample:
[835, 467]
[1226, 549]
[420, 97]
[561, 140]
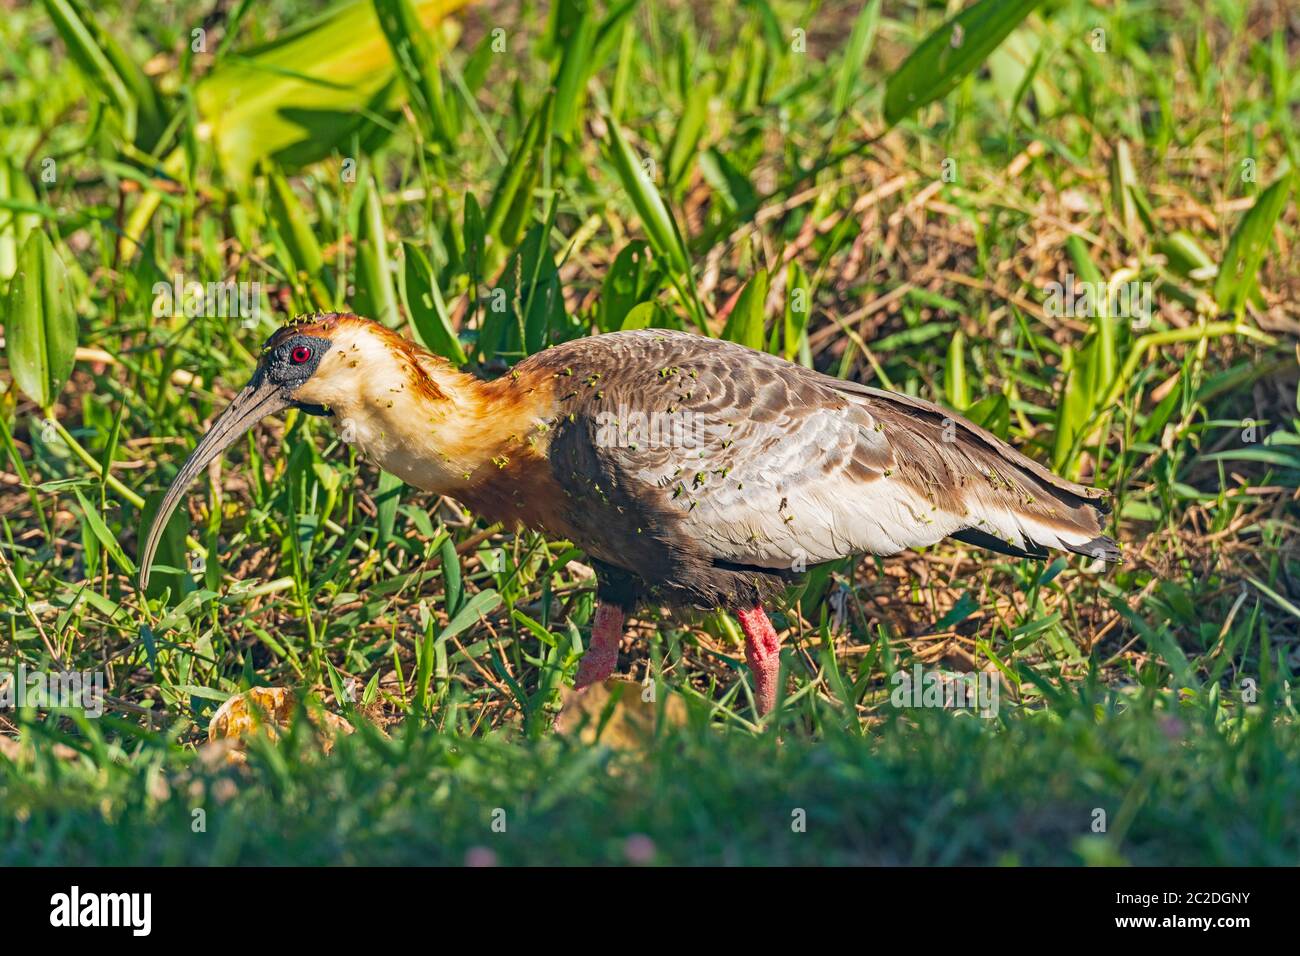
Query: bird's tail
[1026, 512]
[1083, 537]
[1006, 501]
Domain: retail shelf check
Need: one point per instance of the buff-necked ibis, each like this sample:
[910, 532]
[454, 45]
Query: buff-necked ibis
[691, 470]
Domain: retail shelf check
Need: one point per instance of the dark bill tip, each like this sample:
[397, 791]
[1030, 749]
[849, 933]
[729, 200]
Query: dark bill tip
[259, 398]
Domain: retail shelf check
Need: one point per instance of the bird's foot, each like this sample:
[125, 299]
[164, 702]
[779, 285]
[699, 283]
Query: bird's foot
[606, 634]
[763, 651]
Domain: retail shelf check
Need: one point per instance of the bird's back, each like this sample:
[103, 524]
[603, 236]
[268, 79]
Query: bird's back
[687, 460]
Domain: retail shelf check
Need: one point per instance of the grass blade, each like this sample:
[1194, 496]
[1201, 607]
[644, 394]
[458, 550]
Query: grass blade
[950, 53]
[376, 293]
[665, 238]
[413, 52]
[855, 54]
[745, 324]
[108, 68]
[423, 303]
[1246, 248]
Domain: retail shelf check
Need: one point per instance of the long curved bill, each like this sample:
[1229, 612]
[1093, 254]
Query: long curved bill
[259, 398]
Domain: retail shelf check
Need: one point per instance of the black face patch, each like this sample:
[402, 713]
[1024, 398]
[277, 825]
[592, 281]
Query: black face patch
[293, 360]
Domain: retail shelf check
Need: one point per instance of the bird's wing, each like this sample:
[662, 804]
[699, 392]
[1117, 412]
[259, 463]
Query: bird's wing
[754, 461]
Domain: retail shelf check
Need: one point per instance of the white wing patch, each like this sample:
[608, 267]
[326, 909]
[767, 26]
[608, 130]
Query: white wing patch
[794, 501]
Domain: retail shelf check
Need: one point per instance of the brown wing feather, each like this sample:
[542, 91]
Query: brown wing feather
[682, 455]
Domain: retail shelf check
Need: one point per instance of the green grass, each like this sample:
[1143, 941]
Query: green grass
[1174, 788]
[743, 148]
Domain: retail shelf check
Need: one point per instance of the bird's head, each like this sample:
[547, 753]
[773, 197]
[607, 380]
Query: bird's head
[416, 415]
[291, 373]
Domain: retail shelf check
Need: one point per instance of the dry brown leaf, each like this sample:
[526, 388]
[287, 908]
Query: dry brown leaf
[22, 750]
[632, 720]
[269, 710]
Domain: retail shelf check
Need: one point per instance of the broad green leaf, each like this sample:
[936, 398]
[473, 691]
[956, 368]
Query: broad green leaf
[451, 575]
[1073, 409]
[40, 324]
[485, 602]
[798, 306]
[105, 536]
[386, 502]
[992, 412]
[735, 191]
[1103, 359]
[630, 280]
[964, 608]
[642, 316]
[1250, 240]
[950, 53]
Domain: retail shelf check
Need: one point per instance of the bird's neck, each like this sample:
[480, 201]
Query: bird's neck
[435, 427]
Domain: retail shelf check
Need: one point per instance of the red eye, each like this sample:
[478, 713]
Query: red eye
[300, 354]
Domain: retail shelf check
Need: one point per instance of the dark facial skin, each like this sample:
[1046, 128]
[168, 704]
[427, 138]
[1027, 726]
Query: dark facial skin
[291, 362]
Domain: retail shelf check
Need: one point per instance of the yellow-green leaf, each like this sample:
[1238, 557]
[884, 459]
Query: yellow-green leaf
[15, 224]
[954, 372]
[305, 95]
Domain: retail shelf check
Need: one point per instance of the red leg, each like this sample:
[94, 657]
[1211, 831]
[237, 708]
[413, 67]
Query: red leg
[606, 634]
[763, 651]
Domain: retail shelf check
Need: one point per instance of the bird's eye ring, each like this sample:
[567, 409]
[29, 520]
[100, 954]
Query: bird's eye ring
[300, 354]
